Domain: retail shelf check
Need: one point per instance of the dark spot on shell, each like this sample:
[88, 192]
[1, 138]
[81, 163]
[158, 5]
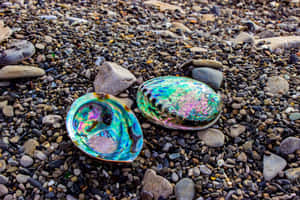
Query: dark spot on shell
[107, 118]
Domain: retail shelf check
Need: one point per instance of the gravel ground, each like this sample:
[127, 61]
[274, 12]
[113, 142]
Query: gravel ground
[260, 127]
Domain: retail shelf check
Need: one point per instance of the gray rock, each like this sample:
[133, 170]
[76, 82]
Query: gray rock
[167, 147]
[21, 178]
[293, 173]
[277, 85]
[243, 37]
[209, 76]
[53, 120]
[273, 164]
[8, 197]
[285, 42]
[20, 71]
[26, 161]
[76, 20]
[70, 197]
[212, 137]
[19, 50]
[48, 17]
[40, 155]
[185, 189]
[196, 171]
[174, 177]
[8, 110]
[290, 145]
[236, 130]
[113, 79]
[3, 179]
[294, 116]
[205, 170]
[155, 186]
[3, 190]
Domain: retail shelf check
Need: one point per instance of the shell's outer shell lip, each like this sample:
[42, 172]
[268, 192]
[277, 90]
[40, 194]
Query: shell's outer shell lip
[102, 96]
[174, 126]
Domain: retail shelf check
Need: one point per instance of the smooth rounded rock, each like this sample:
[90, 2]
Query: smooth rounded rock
[26, 161]
[205, 170]
[5, 32]
[290, 145]
[212, 137]
[3, 190]
[8, 111]
[21, 178]
[18, 50]
[277, 85]
[209, 76]
[236, 130]
[30, 146]
[185, 189]
[20, 71]
[273, 164]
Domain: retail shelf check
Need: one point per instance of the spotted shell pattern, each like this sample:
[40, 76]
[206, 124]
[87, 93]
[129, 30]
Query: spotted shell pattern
[104, 128]
[179, 103]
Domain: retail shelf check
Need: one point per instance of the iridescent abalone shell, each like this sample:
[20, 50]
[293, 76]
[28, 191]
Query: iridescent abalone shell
[179, 103]
[104, 128]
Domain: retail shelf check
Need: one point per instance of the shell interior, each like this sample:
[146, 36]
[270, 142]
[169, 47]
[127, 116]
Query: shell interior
[179, 103]
[104, 128]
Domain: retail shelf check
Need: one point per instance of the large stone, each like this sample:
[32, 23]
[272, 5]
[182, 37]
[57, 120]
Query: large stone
[163, 6]
[285, 42]
[155, 186]
[185, 189]
[290, 145]
[273, 164]
[236, 130]
[277, 85]
[19, 71]
[30, 146]
[18, 50]
[5, 32]
[293, 173]
[209, 76]
[212, 137]
[113, 79]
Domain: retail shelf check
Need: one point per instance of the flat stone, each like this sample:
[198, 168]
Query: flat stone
[5, 32]
[198, 50]
[21, 178]
[209, 76]
[205, 170]
[212, 137]
[207, 63]
[26, 161]
[285, 42]
[277, 85]
[8, 110]
[236, 130]
[155, 186]
[18, 50]
[30, 146]
[113, 79]
[273, 164]
[20, 71]
[293, 173]
[294, 116]
[3, 190]
[163, 6]
[185, 189]
[290, 145]
[243, 37]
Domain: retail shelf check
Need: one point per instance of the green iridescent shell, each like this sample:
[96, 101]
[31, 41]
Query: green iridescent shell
[179, 103]
[104, 128]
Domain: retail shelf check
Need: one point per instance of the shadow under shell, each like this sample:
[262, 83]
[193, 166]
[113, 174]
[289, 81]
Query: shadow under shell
[104, 128]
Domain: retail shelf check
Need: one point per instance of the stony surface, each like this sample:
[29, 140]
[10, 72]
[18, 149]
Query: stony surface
[19, 71]
[273, 164]
[185, 189]
[212, 137]
[113, 79]
[211, 77]
[156, 186]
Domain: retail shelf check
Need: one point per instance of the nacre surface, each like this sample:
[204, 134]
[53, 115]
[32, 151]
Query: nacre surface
[179, 103]
[104, 128]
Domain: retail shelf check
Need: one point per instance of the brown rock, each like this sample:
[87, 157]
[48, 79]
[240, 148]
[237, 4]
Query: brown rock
[212, 137]
[207, 63]
[286, 42]
[236, 130]
[163, 6]
[277, 85]
[20, 71]
[155, 186]
[5, 32]
[30, 146]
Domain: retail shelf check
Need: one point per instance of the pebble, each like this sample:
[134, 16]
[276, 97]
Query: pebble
[209, 76]
[180, 26]
[8, 110]
[113, 79]
[53, 120]
[26, 161]
[5, 32]
[20, 71]
[198, 50]
[273, 164]
[185, 189]
[40, 155]
[2, 165]
[294, 116]
[293, 173]
[48, 17]
[30, 146]
[3, 179]
[242, 157]
[285, 42]
[18, 50]
[243, 37]
[207, 63]
[163, 6]
[166, 33]
[293, 59]
[21, 178]
[76, 20]
[236, 130]
[174, 177]
[290, 145]
[205, 170]
[212, 137]
[155, 186]
[277, 85]
[3, 190]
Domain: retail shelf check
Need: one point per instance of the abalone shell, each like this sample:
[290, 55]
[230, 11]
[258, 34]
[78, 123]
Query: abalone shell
[179, 103]
[104, 128]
